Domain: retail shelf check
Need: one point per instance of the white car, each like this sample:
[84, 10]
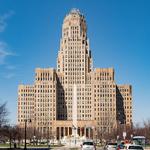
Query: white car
[88, 145]
[133, 147]
[110, 146]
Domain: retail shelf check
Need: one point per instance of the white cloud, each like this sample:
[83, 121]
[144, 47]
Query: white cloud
[10, 67]
[4, 52]
[3, 20]
[4, 49]
[9, 76]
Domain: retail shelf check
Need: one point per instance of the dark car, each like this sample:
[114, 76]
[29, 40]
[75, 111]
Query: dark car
[120, 147]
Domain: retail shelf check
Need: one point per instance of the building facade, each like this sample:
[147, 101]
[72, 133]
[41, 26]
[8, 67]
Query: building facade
[101, 103]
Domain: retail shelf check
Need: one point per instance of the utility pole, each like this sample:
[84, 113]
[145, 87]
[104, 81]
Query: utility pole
[25, 133]
[10, 137]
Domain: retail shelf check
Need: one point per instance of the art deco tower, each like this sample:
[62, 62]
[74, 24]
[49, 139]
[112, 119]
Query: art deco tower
[74, 63]
[74, 58]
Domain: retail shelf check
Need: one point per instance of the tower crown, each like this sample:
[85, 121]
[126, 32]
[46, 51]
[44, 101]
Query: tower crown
[75, 11]
[72, 21]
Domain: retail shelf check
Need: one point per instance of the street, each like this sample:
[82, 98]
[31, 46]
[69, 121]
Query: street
[77, 148]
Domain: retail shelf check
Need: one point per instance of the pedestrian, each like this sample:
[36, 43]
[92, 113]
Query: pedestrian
[49, 145]
[15, 146]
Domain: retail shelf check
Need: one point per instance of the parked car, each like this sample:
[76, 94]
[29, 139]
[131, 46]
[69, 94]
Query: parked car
[133, 147]
[88, 145]
[110, 146]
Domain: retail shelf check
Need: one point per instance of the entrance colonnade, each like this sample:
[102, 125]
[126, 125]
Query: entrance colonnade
[85, 128]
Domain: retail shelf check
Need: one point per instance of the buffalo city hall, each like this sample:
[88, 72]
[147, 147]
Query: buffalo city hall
[101, 103]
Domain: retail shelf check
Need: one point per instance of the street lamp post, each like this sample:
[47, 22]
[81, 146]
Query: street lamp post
[25, 147]
[10, 136]
[25, 133]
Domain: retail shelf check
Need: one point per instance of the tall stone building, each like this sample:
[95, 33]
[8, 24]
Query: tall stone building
[101, 103]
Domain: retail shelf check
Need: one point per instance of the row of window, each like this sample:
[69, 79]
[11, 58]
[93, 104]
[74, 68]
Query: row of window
[45, 86]
[30, 90]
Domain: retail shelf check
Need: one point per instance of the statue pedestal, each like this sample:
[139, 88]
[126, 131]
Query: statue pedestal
[73, 141]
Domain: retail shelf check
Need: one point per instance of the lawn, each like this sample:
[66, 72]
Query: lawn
[29, 146]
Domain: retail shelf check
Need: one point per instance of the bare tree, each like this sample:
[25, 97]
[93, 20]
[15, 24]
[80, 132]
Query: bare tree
[147, 129]
[3, 114]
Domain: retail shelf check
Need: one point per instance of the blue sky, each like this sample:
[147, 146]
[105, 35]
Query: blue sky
[119, 33]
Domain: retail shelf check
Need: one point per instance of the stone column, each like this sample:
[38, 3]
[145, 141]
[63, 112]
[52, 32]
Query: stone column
[89, 132]
[64, 129]
[80, 131]
[57, 130]
[85, 131]
[59, 133]
[68, 131]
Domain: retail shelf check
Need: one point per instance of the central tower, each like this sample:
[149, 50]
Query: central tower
[74, 63]
[74, 58]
